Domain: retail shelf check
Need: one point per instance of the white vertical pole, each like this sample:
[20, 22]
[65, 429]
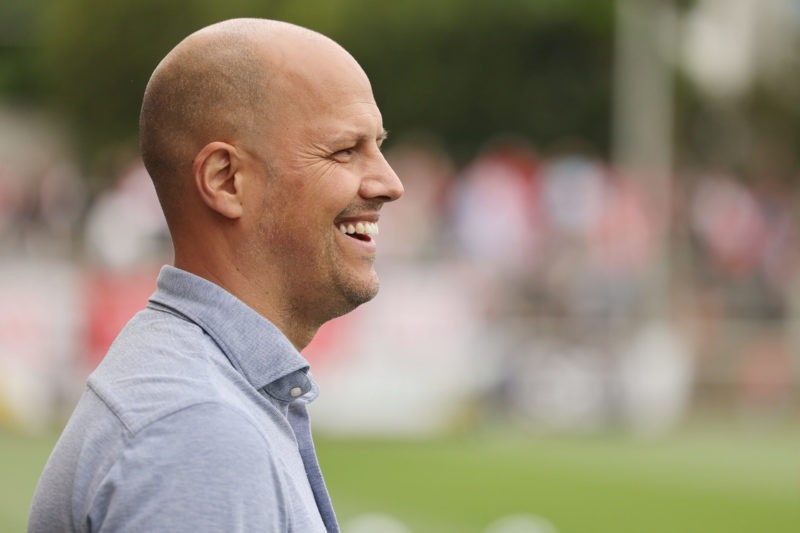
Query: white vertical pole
[643, 113]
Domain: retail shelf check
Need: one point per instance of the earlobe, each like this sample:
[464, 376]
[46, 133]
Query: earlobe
[215, 175]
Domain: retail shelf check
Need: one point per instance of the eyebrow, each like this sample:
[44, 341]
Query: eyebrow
[353, 137]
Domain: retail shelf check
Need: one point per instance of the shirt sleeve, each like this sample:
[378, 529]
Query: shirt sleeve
[204, 468]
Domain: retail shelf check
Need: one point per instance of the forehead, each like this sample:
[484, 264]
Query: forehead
[316, 89]
[329, 99]
[320, 86]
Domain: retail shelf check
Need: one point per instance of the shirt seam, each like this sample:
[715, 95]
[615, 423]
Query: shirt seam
[110, 407]
[160, 307]
[131, 436]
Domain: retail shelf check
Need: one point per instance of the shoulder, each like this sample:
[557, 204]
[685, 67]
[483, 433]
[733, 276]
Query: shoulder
[206, 467]
[160, 364]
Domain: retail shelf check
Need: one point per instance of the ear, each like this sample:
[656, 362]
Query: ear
[215, 170]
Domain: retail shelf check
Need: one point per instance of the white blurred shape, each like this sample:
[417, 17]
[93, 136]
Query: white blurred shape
[406, 362]
[720, 45]
[374, 523]
[521, 523]
[730, 43]
[126, 226]
[655, 377]
[565, 388]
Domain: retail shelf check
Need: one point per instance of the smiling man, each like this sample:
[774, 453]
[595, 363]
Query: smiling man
[263, 141]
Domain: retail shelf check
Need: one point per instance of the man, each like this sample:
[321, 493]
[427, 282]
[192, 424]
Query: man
[263, 141]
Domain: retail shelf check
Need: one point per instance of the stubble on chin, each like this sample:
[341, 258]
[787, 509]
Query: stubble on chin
[361, 293]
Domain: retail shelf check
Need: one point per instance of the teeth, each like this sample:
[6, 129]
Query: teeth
[364, 228]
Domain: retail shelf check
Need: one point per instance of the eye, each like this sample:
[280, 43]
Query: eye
[344, 155]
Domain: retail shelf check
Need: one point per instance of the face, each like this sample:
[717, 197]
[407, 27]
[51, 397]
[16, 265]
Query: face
[325, 181]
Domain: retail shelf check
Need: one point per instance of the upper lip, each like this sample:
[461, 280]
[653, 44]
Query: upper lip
[364, 217]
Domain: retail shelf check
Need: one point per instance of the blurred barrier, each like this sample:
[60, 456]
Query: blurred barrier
[408, 363]
[422, 359]
[56, 323]
[514, 291]
[40, 327]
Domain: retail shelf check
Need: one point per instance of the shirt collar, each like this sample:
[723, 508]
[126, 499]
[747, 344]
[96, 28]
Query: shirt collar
[252, 344]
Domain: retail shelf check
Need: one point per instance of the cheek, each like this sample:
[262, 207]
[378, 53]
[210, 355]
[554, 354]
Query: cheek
[293, 232]
[309, 202]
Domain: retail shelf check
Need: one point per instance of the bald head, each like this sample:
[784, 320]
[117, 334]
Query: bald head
[222, 83]
[264, 140]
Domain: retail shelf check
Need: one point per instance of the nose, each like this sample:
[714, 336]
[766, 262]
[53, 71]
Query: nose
[381, 181]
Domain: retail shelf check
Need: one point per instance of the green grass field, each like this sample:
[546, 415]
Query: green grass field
[695, 481]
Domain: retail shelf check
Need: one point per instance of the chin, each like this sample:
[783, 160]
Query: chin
[363, 294]
[358, 292]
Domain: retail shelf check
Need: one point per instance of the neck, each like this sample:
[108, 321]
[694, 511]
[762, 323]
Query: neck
[260, 296]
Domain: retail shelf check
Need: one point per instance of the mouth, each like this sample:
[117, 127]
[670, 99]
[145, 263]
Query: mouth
[361, 230]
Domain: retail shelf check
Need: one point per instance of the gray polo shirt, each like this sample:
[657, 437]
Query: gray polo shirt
[195, 421]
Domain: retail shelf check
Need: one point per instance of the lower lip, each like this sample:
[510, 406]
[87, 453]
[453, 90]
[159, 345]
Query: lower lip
[367, 246]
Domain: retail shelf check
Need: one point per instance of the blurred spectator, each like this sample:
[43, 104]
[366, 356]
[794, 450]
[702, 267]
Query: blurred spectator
[764, 376]
[730, 224]
[62, 198]
[496, 210]
[624, 237]
[41, 193]
[414, 228]
[573, 194]
[40, 210]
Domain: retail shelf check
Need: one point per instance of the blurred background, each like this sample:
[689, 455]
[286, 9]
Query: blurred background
[590, 308]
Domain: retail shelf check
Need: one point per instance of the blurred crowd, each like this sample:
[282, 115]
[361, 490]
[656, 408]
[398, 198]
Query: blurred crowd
[587, 278]
[594, 299]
